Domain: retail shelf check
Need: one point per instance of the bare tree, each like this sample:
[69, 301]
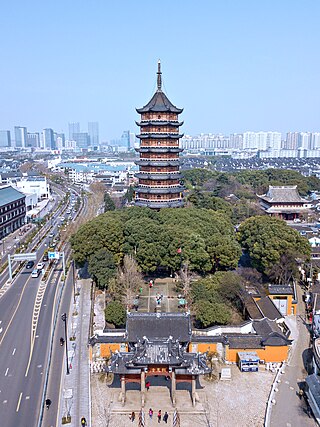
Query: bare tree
[185, 277]
[128, 281]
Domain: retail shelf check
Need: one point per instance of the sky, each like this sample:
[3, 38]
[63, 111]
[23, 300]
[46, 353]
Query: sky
[232, 65]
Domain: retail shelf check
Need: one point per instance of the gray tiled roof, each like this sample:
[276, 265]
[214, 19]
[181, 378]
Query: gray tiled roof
[268, 309]
[280, 290]
[159, 103]
[158, 326]
[9, 194]
[283, 194]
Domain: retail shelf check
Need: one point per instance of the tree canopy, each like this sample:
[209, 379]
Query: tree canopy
[268, 239]
[206, 238]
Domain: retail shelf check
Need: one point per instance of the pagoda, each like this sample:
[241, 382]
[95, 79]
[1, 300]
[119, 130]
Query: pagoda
[159, 174]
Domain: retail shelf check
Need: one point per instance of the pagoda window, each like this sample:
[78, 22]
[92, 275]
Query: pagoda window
[159, 129]
[159, 117]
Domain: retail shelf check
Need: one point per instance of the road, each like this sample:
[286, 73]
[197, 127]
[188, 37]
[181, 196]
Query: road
[26, 321]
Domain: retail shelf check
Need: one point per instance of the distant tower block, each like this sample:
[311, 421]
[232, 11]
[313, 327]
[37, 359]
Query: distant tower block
[159, 164]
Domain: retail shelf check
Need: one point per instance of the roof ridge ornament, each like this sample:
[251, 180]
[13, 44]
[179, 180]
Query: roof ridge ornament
[159, 78]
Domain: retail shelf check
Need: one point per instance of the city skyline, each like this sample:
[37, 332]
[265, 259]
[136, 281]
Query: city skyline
[245, 64]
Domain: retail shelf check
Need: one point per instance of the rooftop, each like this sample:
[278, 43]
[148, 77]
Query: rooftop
[156, 326]
[159, 102]
[283, 194]
[9, 194]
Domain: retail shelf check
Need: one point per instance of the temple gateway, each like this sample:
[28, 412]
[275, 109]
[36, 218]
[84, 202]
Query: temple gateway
[157, 344]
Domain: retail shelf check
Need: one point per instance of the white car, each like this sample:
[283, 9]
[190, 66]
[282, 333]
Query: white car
[40, 265]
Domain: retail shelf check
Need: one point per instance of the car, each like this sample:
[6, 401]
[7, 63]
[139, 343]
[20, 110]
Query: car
[45, 258]
[40, 265]
[29, 265]
[36, 273]
[51, 235]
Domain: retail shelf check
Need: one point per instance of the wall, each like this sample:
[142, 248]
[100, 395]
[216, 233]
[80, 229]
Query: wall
[268, 354]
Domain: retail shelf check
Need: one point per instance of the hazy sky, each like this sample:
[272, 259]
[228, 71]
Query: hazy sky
[232, 65]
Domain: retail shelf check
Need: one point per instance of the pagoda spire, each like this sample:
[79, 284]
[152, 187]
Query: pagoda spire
[159, 78]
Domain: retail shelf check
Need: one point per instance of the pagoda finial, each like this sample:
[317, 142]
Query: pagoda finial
[159, 79]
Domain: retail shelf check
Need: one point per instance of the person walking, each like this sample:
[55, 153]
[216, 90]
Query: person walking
[165, 417]
[150, 413]
[147, 385]
[132, 416]
[159, 415]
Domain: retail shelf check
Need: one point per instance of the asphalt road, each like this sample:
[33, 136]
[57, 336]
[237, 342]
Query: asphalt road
[24, 348]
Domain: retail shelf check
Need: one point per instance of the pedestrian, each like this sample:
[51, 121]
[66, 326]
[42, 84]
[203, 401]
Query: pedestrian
[140, 290]
[165, 417]
[159, 415]
[150, 413]
[300, 393]
[83, 421]
[150, 284]
[132, 416]
[147, 385]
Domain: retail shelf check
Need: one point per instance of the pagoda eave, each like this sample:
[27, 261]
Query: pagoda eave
[159, 176]
[160, 135]
[159, 109]
[173, 190]
[159, 123]
[151, 162]
[152, 149]
[158, 205]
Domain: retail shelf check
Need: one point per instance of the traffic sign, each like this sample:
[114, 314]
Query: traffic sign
[31, 256]
[53, 255]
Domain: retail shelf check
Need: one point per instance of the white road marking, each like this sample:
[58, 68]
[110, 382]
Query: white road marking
[39, 366]
[27, 397]
[6, 373]
[5, 401]
[14, 350]
[0, 330]
[19, 401]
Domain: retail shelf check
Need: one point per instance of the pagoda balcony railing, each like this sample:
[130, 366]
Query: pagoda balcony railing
[158, 176]
[154, 190]
[161, 186]
[155, 204]
[160, 172]
[159, 148]
[161, 159]
[178, 199]
[143, 162]
[160, 135]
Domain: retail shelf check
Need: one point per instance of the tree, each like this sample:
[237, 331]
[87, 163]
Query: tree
[127, 282]
[211, 313]
[115, 313]
[267, 239]
[109, 204]
[102, 267]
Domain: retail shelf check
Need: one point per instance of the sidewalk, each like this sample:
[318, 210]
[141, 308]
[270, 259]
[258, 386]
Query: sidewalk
[75, 394]
[289, 410]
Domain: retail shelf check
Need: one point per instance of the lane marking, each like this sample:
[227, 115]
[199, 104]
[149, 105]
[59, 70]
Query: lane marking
[6, 373]
[27, 397]
[19, 401]
[14, 350]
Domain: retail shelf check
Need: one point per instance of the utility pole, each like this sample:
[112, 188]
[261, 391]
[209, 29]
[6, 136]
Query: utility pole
[64, 318]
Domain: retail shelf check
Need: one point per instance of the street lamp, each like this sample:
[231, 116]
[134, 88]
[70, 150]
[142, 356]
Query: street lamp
[64, 318]
[74, 283]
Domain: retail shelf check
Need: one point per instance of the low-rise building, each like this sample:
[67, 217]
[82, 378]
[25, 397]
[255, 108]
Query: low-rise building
[12, 210]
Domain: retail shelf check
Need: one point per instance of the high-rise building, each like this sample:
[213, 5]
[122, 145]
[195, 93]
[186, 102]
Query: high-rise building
[159, 165]
[93, 131]
[304, 141]
[292, 141]
[33, 139]
[315, 140]
[5, 138]
[82, 139]
[74, 127]
[48, 139]
[20, 136]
